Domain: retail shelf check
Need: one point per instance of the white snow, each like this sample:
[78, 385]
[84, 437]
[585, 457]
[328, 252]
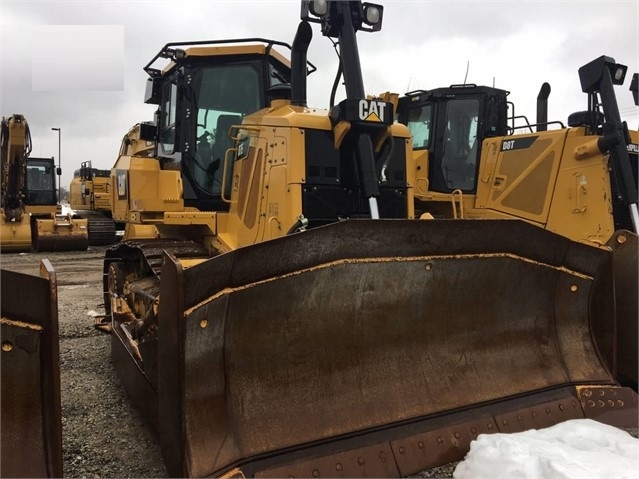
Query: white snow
[66, 209]
[579, 448]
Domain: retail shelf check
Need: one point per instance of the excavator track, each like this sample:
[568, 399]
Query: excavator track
[373, 348]
[31, 406]
[101, 229]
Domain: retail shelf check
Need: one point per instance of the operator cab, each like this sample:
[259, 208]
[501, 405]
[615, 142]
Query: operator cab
[40, 182]
[451, 124]
[200, 94]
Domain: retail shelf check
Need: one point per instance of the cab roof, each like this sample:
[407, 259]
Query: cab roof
[176, 53]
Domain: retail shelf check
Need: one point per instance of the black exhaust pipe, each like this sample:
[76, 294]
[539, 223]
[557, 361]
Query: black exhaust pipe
[298, 63]
[542, 107]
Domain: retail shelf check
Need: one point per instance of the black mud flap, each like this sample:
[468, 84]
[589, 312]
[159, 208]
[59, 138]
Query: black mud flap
[31, 410]
[379, 348]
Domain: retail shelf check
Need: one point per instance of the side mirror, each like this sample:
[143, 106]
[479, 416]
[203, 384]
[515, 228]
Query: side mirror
[153, 91]
[148, 131]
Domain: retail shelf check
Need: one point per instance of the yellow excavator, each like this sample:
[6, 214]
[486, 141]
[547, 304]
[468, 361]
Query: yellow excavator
[30, 216]
[277, 310]
[474, 158]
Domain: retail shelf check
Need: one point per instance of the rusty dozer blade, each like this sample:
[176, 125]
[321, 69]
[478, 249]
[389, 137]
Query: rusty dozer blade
[380, 348]
[61, 234]
[624, 245]
[31, 410]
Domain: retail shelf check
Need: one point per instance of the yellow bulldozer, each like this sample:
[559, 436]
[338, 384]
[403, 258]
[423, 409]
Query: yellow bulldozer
[90, 198]
[277, 310]
[475, 158]
[31, 217]
[90, 191]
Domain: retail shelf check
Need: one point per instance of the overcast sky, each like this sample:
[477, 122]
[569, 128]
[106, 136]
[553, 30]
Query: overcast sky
[77, 65]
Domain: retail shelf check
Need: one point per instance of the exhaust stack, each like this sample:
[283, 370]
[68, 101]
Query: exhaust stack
[298, 63]
[542, 107]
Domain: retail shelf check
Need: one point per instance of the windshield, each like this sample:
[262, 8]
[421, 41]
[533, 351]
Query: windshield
[40, 182]
[224, 95]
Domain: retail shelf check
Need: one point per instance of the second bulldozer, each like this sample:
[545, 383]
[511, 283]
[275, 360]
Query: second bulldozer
[475, 159]
[90, 191]
[90, 198]
[277, 311]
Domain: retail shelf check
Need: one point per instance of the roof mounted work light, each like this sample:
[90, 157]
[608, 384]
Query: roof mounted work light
[319, 8]
[365, 16]
[592, 73]
[372, 16]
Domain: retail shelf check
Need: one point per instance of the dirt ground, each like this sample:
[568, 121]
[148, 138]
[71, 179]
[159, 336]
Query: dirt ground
[103, 435]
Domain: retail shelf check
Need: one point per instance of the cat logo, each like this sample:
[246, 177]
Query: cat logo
[373, 113]
[372, 110]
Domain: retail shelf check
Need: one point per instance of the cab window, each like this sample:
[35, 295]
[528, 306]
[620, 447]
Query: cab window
[224, 95]
[419, 125]
[167, 129]
[459, 159]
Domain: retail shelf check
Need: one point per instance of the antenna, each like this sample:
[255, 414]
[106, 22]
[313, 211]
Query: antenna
[493, 82]
[467, 67]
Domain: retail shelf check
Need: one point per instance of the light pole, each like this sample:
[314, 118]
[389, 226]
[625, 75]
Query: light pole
[59, 172]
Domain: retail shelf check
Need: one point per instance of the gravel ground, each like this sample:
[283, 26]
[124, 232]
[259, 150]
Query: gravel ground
[103, 434]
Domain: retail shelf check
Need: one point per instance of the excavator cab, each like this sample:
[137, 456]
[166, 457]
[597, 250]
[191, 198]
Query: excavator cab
[40, 182]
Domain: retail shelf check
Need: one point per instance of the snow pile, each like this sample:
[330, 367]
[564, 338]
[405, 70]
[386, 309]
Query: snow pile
[579, 448]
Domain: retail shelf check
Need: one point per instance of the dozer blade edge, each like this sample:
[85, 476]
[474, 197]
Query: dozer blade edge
[624, 245]
[381, 348]
[31, 408]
